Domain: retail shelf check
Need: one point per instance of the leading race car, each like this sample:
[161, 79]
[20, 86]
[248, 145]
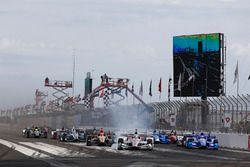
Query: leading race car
[35, 132]
[135, 141]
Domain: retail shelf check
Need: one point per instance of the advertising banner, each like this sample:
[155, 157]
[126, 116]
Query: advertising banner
[249, 142]
[173, 120]
[227, 120]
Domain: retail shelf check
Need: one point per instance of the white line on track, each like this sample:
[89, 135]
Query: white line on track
[56, 150]
[27, 151]
[144, 153]
[193, 153]
[34, 154]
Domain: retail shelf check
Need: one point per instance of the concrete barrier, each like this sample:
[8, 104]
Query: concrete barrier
[239, 141]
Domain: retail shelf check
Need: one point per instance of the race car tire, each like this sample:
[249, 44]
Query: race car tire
[150, 141]
[120, 140]
[119, 146]
[88, 141]
[61, 138]
[28, 134]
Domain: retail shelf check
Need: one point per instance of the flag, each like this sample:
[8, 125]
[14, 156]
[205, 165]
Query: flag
[169, 83]
[236, 73]
[102, 92]
[179, 83]
[150, 88]
[248, 77]
[133, 88]
[159, 86]
[141, 90]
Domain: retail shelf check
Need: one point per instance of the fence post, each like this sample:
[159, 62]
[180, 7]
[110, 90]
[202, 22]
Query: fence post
[241, 106]
[243, 99]
[213, 113]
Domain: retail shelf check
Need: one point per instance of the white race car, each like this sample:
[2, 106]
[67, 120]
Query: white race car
[135, 141]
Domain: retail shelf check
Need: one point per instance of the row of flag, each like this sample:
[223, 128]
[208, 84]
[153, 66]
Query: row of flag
[236, 74]
[141, 90]
[150, 87]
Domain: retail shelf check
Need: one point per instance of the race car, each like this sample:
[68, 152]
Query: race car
[55, 134]
[191, 142]
[81, 135]
[179, 141]
[201, 141]
[135, 141]
[72, 135]
[100, 139]
[35, 132]
[160, 138]
[212, 143]
[173, 136]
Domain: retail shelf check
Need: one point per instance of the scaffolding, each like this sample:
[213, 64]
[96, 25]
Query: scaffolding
[59, 93]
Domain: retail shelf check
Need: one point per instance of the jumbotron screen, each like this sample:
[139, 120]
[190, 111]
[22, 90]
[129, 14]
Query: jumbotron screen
[197, 65]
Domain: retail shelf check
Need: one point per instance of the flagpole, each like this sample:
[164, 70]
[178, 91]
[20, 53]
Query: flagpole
[133, 95]
[160, 89]
[180, 94]
[181, 87]
[236, 78]
[169, 82]
[238, 83]
[73, 87]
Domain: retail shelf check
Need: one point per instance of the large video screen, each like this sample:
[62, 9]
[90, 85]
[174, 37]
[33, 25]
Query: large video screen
[197, 65]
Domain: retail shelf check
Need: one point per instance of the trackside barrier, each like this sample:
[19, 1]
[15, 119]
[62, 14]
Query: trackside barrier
[249, 142]
[228, 140]
[238, 141]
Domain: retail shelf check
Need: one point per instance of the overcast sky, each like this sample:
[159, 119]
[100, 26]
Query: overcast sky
[123, 38]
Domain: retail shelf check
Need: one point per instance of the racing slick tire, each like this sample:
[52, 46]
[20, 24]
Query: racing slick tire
[88, 141]
[120, 141]
[28, 134]
[45, 135]
[61, 138]
[149, 141]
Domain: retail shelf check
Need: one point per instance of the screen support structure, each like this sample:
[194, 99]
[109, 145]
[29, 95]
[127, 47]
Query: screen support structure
[204, 106]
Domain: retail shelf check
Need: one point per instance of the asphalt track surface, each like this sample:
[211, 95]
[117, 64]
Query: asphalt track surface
[18, 151]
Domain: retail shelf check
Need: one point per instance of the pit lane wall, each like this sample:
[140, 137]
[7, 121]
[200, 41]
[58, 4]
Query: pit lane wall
[233, 140]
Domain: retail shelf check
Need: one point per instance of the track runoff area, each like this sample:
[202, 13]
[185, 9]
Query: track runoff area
[17, 150]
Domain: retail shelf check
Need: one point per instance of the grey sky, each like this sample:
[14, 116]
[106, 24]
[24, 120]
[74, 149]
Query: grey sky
[123, 38]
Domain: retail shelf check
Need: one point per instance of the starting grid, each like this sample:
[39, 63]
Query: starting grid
[41, 150]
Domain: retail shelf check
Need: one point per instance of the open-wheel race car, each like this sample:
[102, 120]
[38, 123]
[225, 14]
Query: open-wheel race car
[198, 141]
[135, 141]
[72, 135]
[100, 139]
[36, 132]
[160, 137]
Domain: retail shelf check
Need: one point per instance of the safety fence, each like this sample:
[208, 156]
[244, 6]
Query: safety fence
[222, 114]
